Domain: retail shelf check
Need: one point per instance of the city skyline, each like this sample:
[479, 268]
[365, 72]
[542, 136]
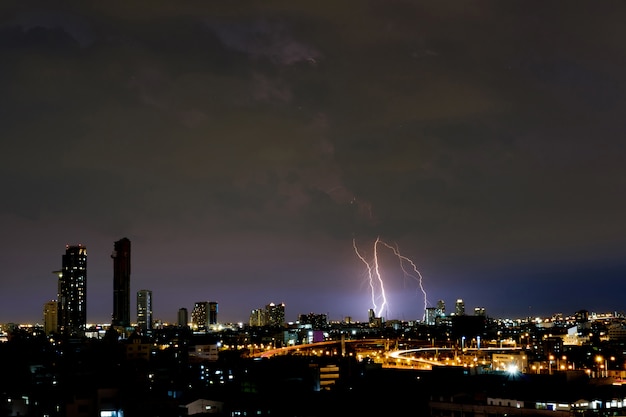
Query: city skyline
[144, 317]
[255, 152]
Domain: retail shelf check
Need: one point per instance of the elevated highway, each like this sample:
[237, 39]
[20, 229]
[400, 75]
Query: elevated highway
[386, 353]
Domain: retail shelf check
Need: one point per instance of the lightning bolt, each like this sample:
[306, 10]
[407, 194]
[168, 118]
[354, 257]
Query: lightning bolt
[418, 278]
[376, 280]
[371, 273]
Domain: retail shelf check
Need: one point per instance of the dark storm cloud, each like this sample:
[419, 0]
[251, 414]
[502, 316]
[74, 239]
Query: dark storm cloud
[263, 39]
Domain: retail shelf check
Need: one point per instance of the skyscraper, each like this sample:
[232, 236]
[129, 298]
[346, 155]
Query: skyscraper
[200, 316]
[72, 292]
[183, 317]
[275, 314]
[459, 308]
[441, 308]
[212, 312]
[144, 310]
[121, 283]
[431, 316]
[51, 317]
[257, 317]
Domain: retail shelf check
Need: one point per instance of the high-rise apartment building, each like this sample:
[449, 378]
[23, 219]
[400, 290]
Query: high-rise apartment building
[257, 317]
[275, 314]
[271, 315]
[430, 318]
[144, 310]
[480, 311]
[72, 292]
[459, 308]
[183, 317]
[441, 308]
[371, 315]
[212, 312]
[121, 283]
[50, 317]
[200, 316]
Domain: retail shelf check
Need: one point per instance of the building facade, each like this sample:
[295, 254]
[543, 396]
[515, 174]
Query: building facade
[144, 310]
[212, 313]
[275, 314]
[200, 316]
[272, 315]
[459, 308]
[183, 317]
[72, 292]
[121, 283]
[441, 308]
[430, 318]
[50, 317]
[256, 317]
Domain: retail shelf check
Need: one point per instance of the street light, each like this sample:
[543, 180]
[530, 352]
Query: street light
[599, 365]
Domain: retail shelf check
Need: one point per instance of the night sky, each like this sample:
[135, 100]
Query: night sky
[241, 146]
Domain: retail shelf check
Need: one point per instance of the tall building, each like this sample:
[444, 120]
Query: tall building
[144, 310]
[72, 292]
[200, 316]
[371, 315]
[212, 312]
[459, 308]
[431, 316]
[257, 317]
[50, 317]
[183, 317]
[272, 315]
[121, 283]
[441, 308]
[316, 321]
[275, 314]
[480, 311]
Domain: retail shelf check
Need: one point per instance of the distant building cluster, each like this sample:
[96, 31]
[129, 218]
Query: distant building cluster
[315, 321]
[436, 315]
[67, 315]
[272, 315]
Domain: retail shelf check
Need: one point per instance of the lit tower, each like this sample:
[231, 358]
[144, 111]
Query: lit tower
[441, 308]
[144, 310]
[200, 316]
[121, 283]
[459, 308]
[275, 314]
[72, 292]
